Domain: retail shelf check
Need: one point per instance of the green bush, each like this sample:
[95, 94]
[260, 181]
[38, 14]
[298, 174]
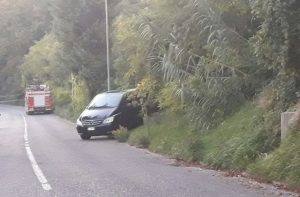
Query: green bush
[168, 134]
[209, 105]
[281, 165]
[65, 111]
[144, 141]
[235, 144]
[139, 138]
[241, 139]
[61, 96]
[80, 97]
[195, 148]
[170, 100]
[121, 134]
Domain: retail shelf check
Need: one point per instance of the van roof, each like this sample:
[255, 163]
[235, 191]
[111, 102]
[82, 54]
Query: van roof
[114, 91]
[121, 91]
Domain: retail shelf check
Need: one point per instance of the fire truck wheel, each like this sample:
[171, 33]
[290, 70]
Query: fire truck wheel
[49, 112]
[29, 113]
[85, 137]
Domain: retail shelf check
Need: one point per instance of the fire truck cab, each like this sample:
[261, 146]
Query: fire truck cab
[38, 99]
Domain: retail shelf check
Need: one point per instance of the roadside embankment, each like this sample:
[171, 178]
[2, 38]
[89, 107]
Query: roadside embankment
[248, 141]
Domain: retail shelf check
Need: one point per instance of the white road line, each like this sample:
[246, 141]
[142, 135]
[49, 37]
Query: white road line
[37, 170]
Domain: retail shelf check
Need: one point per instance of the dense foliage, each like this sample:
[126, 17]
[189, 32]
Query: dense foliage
[62, 44]
[215, 55]
[21, 24]
[212, 55]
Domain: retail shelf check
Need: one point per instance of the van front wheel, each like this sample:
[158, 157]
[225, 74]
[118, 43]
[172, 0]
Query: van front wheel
[85, 137]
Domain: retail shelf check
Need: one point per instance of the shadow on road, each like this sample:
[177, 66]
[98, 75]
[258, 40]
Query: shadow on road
[100, 138]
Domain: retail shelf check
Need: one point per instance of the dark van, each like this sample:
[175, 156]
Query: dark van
[107, 112]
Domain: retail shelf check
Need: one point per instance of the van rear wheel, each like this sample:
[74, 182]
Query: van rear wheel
[85, 137]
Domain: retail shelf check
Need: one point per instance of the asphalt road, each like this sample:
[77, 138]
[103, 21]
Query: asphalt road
[42, 155]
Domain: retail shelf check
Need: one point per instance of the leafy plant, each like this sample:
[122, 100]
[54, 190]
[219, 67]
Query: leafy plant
[281, 165]
[121, 134]
[139, 139]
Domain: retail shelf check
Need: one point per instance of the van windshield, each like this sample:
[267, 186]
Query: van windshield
[106, 100]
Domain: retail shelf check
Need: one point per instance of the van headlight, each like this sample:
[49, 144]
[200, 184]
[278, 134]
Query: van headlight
[79, 123]
[109, 120]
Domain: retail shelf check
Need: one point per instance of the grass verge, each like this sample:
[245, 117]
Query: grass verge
[240, 140]
[241, 143]
[281, 165]
[169, 135]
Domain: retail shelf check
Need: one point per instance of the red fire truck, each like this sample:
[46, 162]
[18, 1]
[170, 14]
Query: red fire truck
[38, 99]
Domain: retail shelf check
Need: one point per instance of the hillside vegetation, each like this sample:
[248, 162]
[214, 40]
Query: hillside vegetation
[243, 142]
[221, 72]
